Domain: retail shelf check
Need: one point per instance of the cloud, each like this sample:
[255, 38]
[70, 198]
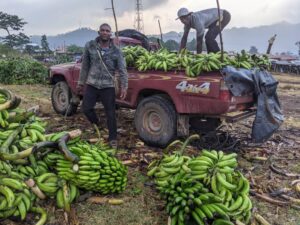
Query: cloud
[56, 16]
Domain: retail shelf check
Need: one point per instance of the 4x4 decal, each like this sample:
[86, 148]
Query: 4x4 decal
[184, 86]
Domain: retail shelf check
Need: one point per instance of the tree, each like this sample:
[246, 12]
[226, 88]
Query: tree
[12, 23]
[45, 44]
[171, 45]
[191, 46]
[31, 49]
[15, 40]
[253, 50]
[74, 49]
[153, 39]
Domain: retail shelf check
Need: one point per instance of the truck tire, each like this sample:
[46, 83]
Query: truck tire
[61, 99]
[155, 121]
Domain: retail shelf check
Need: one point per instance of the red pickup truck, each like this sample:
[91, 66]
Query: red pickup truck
[167, 104]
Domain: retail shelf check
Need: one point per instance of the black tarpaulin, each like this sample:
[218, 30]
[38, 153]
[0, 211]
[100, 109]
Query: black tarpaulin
[263, 85]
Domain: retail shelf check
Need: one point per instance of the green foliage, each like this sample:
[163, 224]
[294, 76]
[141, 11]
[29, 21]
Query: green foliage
[253, 50]
[171, 45]
[6, 51]
[45, 44]
[11, 23]
[63, 58]
[74, 49]
[22, 70]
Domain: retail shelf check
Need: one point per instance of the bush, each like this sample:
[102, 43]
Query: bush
[22, 70]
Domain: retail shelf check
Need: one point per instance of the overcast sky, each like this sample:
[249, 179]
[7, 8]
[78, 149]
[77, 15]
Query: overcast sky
[52, 17]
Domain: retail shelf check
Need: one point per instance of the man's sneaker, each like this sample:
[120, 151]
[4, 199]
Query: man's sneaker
[113, 144]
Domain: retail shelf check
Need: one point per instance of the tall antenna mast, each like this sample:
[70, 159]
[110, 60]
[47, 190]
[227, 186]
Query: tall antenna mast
[138, 22]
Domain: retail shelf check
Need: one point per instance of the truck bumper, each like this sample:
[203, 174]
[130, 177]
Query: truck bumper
[235, 116]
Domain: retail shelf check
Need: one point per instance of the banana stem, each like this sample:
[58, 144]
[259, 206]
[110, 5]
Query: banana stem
[35, 189]
[167, 149]
[98, 133]
[67, 206]
[27, 152]
[187, 141]
[62, 146]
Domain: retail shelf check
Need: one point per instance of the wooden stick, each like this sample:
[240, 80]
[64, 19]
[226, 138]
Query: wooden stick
[220, 30]
[270, 200]
[261, 220]
[272, 167]
[116, 23]
[161, 37]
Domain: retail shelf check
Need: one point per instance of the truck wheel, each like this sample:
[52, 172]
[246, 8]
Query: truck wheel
[61, 97]
[155, 121]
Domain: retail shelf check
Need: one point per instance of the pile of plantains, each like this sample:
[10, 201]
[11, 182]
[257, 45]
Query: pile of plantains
[193, 65]
[35, 165]
[206, 189]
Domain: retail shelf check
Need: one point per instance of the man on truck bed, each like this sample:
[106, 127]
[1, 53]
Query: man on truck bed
[101, 59]
[201, 20]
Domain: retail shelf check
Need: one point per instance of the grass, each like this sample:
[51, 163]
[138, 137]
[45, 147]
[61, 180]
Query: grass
[277, 215]
[140, 206]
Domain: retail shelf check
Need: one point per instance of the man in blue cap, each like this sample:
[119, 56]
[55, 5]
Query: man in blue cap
[201, 20]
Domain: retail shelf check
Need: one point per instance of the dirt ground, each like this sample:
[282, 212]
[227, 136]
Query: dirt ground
[271, 166]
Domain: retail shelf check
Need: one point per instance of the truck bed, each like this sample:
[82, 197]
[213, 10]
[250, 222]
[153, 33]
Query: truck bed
[204, 95]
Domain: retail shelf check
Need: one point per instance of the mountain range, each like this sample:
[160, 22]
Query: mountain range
[234, 39]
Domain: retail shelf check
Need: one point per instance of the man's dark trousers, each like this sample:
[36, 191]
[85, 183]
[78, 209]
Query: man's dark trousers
[214, 31]
[107, 98]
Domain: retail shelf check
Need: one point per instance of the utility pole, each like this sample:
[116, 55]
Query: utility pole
[138, 22]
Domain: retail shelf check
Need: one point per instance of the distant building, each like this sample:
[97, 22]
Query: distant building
[284, 57]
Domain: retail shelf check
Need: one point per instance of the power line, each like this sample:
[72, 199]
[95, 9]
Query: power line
[138, 22]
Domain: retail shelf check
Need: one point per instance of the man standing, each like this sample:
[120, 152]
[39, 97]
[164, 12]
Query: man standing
[101, 59]
[201, 20]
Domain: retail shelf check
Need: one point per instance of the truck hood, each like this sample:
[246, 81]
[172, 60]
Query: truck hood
[63, 66]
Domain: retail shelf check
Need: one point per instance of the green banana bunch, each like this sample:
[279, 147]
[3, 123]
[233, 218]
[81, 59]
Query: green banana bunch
[48, 183]
[55, 136]
[4, 116]
[261, 61]
[206, 188]
[187, 198]
[67, 194]
[203, 63]
[161, 60]
[3, 98]
[240, 61]
[5, 168]
[96, 170]
[26, 171]
[131, 54]
[16, 199]
[169, 165]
